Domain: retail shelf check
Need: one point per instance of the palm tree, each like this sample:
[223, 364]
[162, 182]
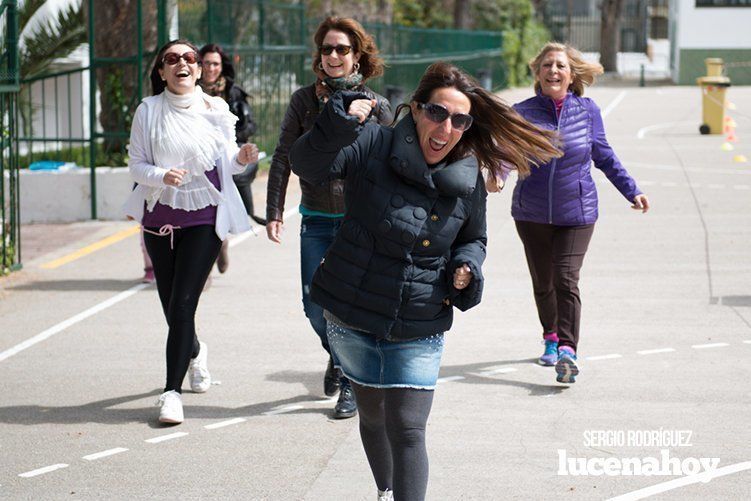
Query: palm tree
[44, 42]
[54, 38]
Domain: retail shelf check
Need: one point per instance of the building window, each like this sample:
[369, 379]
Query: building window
[723, 3]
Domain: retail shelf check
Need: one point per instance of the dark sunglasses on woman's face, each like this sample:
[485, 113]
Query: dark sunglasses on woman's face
[340, 49]
[438, 113]
[172, 58]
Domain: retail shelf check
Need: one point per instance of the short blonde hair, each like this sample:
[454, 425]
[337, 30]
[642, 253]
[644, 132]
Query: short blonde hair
[582, 72]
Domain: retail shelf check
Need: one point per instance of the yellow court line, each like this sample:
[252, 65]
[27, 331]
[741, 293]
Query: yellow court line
[120, 235]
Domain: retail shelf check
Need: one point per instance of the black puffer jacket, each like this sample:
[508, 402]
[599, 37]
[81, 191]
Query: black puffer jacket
[301, 114]
[407, 228]
[237, 99]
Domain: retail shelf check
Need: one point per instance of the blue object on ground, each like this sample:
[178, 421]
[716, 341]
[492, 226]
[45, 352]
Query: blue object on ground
[46, 165]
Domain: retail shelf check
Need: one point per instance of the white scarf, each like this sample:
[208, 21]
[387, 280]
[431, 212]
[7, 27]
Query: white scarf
[186, 134]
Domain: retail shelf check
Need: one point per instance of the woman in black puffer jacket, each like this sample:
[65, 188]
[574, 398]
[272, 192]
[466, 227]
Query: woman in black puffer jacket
[218, 79]
[410, 248]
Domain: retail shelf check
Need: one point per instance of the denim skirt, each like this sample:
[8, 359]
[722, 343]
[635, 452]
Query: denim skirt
[381, 363]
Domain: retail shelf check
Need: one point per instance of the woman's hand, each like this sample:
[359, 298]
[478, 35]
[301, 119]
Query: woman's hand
[274, 231]
[248, 154]
[174, 177]
[641, 202]
[361, 108]
[462, 277]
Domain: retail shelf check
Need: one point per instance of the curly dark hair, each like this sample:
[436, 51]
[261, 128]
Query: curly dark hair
[157, 84]
[371, 64]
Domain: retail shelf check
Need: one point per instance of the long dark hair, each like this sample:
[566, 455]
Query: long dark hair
[157, 84]
[371, 64]
[228, 69]
[498, 133]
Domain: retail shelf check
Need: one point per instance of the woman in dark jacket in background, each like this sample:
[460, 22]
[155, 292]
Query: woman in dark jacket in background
[410, 248]
[218, 79]
[345, 58]
[555, 208]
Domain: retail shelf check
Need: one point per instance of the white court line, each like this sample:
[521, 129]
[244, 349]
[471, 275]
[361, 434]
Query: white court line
[164, 438]
[747, 341]
[716, 186]
[708, 345]
[649, 128]
[449, 379]
[222, 424]
[604, 357]
[55, 329]
[42, 471]
[104, 454]
[615, 102]
[499, 370]
[741, 187]
[682, 482]
[658, 350]
[282, 410]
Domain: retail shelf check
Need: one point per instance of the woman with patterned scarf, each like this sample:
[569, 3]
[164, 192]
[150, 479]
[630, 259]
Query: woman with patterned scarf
[345, 57]
[182, 157]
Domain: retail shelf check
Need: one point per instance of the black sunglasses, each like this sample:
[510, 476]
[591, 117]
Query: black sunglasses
[340, 49]
[438, 113]
[190, 57]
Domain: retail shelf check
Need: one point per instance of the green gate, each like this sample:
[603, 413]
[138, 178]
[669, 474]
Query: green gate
[83, 114]
[10, 229]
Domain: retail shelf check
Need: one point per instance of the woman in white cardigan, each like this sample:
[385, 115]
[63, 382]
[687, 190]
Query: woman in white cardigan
[182, 157]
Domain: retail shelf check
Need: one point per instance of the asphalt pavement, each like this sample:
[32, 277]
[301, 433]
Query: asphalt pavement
[661, 407]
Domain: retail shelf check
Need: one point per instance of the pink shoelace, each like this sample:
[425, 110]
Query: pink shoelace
[165, 230]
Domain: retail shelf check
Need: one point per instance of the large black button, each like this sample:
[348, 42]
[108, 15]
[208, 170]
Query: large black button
[384, 226]
[409, 139]
[420, 213]
[397, 201]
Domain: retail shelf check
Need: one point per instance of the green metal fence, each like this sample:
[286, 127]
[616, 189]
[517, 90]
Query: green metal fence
[83, 114]
[271, 46]
[10, 229]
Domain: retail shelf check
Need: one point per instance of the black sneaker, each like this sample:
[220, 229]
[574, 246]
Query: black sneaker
[331, 379]
[345, 406]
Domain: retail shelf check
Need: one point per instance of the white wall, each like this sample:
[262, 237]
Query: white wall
[65, 196]
[712, 27]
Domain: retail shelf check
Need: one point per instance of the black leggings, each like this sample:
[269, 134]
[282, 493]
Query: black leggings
[392, 429]
[181, 273]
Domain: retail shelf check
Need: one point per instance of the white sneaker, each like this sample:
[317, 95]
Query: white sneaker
[172, 407]
[198, 371]
[387, 495]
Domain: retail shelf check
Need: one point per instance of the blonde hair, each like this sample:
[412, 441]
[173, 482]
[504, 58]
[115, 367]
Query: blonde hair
[582, 72]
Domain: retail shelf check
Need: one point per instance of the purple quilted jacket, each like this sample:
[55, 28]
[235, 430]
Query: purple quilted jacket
[563, 192]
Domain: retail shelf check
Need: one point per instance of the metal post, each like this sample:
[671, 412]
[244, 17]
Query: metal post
[261, 24]
[162, 32]
[139, 49]
[641, 76]
[92, 110]
[210, 21]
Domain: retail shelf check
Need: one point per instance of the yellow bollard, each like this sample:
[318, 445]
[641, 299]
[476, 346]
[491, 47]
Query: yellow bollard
[713, 89]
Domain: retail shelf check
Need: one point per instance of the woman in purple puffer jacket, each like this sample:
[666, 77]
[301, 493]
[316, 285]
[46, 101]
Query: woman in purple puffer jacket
[555, 208]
